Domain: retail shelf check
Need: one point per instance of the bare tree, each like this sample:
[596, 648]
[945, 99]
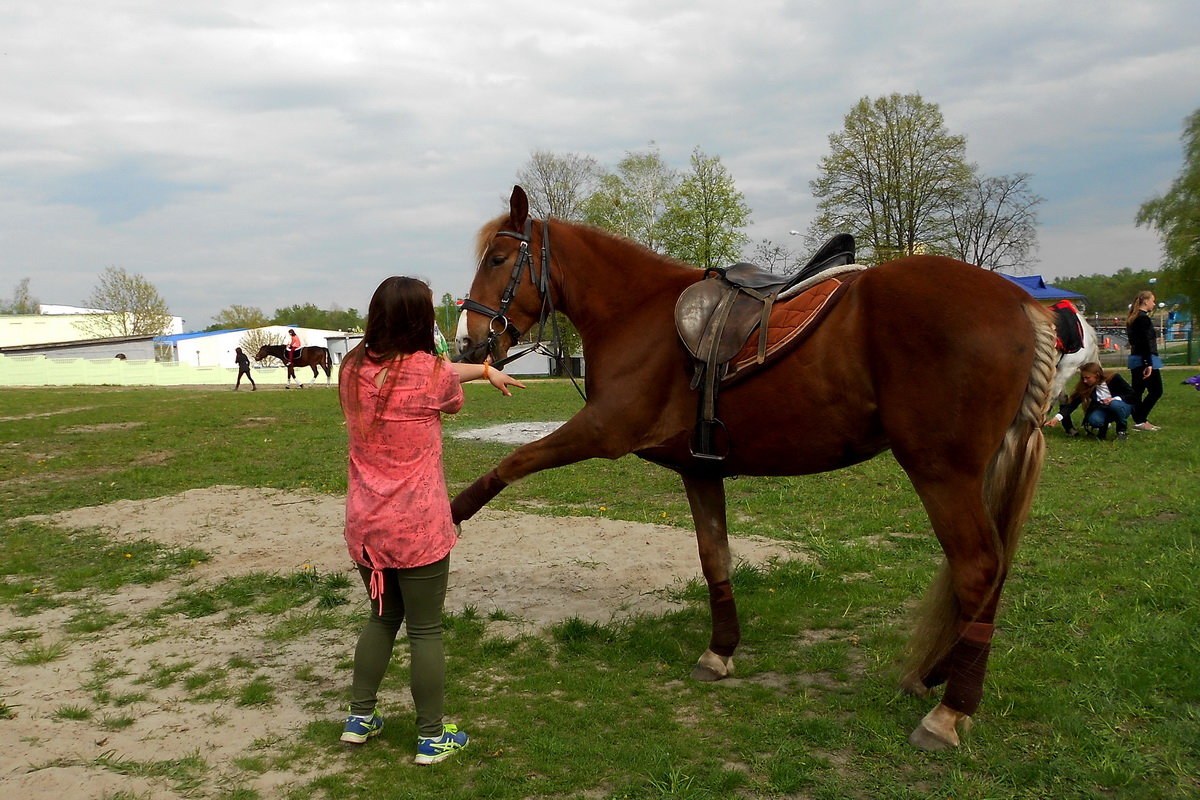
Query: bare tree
[255, 339]
[126, 305]
[557, 185]
[773, 257]
[994, 225]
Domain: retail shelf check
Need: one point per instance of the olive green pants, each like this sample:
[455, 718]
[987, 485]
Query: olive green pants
[411, 597]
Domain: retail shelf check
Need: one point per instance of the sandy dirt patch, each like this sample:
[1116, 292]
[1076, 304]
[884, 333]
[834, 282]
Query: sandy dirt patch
[510, 433]
[538, 570]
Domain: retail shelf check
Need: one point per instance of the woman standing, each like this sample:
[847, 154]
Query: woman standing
[1144, 363]
[393, 391]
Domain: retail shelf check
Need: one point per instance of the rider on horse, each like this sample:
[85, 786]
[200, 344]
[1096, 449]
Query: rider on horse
[293, 346]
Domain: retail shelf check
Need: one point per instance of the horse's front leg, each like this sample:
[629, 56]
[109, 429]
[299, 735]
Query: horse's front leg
[706, 496]
[577, 440]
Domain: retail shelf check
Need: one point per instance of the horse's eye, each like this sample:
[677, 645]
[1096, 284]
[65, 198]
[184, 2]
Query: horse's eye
[498, 259]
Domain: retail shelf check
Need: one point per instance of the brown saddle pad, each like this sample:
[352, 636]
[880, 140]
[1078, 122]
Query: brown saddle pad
[790, 322]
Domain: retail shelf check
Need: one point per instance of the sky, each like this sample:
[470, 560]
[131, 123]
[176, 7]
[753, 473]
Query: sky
[273, 153]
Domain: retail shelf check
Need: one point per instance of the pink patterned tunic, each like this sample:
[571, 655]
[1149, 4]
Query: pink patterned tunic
[397, 507]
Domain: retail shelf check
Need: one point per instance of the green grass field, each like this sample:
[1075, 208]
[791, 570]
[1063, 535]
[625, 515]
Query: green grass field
[1093, 689]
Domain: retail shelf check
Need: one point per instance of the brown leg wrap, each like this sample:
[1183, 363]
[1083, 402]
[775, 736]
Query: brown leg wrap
[978, 632]
[726, 633]
[475, 496]
[968, 664]
[937, 675]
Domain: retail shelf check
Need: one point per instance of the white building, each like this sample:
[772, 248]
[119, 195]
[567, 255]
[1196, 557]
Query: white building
[216, 348]
[55, 325]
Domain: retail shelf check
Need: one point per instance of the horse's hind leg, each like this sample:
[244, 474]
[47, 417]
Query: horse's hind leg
[706, 496]
[954, 635]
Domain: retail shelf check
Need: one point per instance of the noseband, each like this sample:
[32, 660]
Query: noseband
[499, 323]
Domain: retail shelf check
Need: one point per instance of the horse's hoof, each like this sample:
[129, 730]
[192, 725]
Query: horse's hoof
[938, 731]
[712, 667]
[930, 741]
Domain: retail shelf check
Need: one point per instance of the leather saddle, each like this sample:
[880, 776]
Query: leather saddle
[716, 317]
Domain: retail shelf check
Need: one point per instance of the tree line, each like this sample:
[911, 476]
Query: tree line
[895, 177]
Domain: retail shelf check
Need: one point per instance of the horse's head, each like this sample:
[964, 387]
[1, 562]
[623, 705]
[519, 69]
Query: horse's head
[507, 293]
[262, 353]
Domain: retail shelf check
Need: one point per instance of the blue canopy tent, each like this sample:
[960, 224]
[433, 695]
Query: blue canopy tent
[1040, 289]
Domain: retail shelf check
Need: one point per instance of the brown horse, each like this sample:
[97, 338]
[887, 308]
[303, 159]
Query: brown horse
[305, 357]
[943, 363]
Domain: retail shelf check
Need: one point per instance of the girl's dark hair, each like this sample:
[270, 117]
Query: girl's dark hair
[400, 322]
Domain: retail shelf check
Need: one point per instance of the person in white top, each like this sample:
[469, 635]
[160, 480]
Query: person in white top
[1106, 398]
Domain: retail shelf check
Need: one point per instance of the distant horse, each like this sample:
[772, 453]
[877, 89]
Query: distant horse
[947, 365]
[304, 357]
[1088, 352]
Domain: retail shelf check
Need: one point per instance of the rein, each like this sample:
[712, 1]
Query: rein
[499, 323]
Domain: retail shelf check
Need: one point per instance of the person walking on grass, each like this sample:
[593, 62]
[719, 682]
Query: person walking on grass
[393, 390]
[1144, 362]
[243, 364]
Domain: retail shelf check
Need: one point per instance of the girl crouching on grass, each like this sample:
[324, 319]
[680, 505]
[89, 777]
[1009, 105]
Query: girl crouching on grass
[393, 390]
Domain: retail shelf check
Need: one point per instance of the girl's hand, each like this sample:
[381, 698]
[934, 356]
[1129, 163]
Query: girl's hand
[502, 381]
[1052, 422]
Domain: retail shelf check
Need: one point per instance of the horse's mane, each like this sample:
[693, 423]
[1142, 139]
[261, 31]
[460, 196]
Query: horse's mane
[489, 230]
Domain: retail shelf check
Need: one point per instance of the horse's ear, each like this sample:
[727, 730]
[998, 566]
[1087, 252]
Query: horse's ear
[518, 209]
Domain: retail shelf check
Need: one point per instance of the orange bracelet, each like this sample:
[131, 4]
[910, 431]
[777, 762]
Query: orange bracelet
[485, 369]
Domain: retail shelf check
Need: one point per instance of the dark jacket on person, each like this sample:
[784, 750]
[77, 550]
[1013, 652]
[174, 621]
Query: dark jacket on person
[1143, 340]
[243, 362]
[1119, 387]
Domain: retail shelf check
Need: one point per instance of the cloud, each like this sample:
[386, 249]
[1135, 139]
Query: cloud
[291, 152]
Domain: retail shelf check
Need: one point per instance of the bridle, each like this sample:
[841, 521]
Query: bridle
[499, 324]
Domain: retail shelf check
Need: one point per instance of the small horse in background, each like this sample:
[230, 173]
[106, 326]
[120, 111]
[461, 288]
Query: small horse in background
[947, 365]
[304, 357]
[1069, 362]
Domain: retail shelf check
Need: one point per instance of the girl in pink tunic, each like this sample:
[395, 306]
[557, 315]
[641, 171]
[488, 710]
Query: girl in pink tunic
[393, 390]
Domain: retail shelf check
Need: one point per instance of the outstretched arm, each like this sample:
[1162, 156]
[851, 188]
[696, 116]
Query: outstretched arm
[471, 372]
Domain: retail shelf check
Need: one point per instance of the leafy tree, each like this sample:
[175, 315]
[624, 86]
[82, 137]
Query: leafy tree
[447, 317]
[22, 301]
[309, 316]
[891, 178]
[704, 216]
[1110, 295]
[1176, 216]
[994, 225]
[558, 185]
[128, 305]
[237, 316]
[631, 201]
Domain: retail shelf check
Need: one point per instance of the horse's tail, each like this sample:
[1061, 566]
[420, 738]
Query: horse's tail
[327, 362]
[1008, 489]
